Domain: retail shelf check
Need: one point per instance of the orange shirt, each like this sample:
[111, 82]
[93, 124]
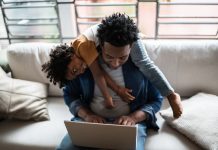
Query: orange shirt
[85, 45]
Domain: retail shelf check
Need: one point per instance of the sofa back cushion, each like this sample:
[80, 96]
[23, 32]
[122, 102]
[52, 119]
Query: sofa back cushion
[191, 66]
[25, 60]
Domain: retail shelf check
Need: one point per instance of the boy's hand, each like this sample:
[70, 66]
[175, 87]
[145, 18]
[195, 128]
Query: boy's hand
[125, 95]
[109, 103]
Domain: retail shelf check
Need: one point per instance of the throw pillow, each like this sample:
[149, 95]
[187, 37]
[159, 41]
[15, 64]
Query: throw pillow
[20, 99]
[199, 122]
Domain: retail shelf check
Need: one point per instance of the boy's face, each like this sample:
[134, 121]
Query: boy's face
[76, 67]
[114, 56]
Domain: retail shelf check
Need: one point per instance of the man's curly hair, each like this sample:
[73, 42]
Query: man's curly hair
[56, 67]
[118, 30]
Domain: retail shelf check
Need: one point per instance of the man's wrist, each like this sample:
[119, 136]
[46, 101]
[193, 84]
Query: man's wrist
[84, 112]
[139, 116]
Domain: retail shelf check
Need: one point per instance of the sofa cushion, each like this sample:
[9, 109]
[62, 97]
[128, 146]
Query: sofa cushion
[26, 59]
[22, 99]
[189, 65]
[30, 135]
[199, 120]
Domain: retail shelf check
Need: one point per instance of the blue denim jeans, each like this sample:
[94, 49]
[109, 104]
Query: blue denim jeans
[67, 144]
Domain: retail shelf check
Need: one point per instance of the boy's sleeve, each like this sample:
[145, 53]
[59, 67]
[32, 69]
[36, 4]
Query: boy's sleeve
[141, 59]
[86, 49]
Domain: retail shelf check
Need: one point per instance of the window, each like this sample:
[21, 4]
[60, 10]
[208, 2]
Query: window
[162, 19]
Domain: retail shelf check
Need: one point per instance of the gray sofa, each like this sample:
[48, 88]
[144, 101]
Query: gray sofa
[180, 60]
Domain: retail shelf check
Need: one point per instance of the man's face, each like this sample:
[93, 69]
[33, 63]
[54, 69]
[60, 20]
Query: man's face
[114, 56]
[76, 67]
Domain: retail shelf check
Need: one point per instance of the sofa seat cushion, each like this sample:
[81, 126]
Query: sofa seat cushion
[45, 135]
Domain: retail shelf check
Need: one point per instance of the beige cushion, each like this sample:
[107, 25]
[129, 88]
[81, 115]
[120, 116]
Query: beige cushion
[199, 121]
[22, 99]
[26, 59]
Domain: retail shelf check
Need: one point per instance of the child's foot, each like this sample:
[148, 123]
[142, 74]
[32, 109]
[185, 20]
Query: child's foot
[109, 103]
[176, 104]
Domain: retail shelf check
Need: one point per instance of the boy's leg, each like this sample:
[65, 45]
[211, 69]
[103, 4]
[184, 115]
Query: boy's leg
[176, 104]
[141, 136]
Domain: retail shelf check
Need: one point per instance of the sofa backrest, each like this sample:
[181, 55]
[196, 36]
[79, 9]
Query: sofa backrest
[191, 66]
[25, 61]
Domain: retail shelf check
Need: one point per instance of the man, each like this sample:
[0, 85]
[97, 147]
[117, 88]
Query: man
[84, 98]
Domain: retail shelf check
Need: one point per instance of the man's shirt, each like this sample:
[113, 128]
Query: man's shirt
[98, 103]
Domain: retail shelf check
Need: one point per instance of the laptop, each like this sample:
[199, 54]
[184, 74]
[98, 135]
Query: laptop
[106, 136]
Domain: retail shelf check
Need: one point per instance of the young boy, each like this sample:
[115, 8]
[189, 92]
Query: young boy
[110, 30]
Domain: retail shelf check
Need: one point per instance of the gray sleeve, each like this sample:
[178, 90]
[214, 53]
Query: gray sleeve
[141, 59]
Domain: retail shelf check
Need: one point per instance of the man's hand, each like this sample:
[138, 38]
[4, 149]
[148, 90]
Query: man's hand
[125, 95]
[132, 118]
[125, 120]
[88, 116]
[94, 119]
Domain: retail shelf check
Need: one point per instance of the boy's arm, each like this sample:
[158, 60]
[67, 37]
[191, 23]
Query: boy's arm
[153, 73]
[123, 92]
[141, 59]
[99, 78]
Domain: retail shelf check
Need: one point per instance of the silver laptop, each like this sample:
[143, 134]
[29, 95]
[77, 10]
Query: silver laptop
[107, 136]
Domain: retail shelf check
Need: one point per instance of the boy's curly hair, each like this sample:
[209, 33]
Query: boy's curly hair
[56, 67]
[118, 30]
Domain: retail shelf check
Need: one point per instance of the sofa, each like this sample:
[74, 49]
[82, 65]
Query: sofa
[189, 65]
